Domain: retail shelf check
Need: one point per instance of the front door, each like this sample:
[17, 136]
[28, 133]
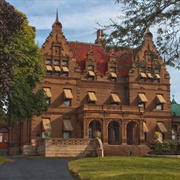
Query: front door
[4, 138]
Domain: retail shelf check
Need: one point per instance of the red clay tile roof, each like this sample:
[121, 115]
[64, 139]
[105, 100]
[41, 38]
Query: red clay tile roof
[81, 50]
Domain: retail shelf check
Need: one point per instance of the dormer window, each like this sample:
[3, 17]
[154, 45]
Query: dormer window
[149, 77]
[143, 76]
[115, 100]
[157, 78]
[91, 75]
[142, 100]
[160, 101]
[90, 67]
[92, 98]
[112, 69]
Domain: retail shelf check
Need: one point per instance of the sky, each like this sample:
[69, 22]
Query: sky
[80, 20]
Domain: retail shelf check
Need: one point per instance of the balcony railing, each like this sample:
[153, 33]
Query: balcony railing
[88, 107]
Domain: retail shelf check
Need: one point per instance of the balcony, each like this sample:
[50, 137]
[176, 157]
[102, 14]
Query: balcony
[118, 108]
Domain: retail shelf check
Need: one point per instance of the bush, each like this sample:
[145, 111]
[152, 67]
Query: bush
[161, 148]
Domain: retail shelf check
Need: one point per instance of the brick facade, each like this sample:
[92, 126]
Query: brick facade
[90, 89]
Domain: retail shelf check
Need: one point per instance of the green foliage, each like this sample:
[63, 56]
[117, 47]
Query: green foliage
[3, 160]
[121, 167]
[24, 101]
[10, 24]
[140, 15]
[22, 68]
[161, 148]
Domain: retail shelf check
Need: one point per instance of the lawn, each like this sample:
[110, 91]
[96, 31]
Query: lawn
[126, 167]
[3, 160]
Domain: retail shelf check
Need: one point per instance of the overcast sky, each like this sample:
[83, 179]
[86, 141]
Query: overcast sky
[79, 19]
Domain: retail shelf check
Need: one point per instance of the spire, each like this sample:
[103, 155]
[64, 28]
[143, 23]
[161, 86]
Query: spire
[57, 18]
[173, 100]
[57, 23]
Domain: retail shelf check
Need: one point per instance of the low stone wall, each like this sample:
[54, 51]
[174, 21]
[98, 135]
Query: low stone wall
[29, 150]
[125, 150]
[41, 148]
[57, 147]
[13, 150]
[60, 147]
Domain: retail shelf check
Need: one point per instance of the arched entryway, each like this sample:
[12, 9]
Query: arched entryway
[94, 126]
[114, 136]
[4, 138]
[132, 133]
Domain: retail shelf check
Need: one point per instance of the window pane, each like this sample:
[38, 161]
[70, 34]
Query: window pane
[1, 137]
[91, 78]
[48, 61]
[142, 69]
[66, 135]
[141, 105]
[113, 69]
[159, 106]
[48, 72]
[91, 67]
[57, 73]
[113, 79]
[67, 102]
[56, 62]
[65, 74]
[90, 133]
[65, 63]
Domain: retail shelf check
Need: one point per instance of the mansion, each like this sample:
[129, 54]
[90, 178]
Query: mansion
[89, 89]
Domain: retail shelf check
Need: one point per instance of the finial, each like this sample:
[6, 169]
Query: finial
[57, 23]
[148, 33]
[173, 100]
[57, 18]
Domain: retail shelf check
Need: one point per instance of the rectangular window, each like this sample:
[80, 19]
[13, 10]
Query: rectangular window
[48, 101]
[112, 69]
[57, 70]
[91, 78]
[91, 67]
[141, 105]
[56, 62]
[159, 106]
[149, 70]
[92, 97]
[64, 63]
[142, 69]
[115, 99]
[56, 73]
[48, 61]
[113, 79]
[67, 102]
[65, 74]
[66, 134]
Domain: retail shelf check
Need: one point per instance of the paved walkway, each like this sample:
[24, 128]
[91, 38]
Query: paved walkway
[22, 168]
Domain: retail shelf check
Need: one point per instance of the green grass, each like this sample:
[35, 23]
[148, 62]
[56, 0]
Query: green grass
[3, 160]
[147, 168]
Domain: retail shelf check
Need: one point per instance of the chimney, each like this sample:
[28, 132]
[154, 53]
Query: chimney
[100, 36]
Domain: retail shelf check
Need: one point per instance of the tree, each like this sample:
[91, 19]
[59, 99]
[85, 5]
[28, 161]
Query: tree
[10, 24]
[161, 15]
[25, 97]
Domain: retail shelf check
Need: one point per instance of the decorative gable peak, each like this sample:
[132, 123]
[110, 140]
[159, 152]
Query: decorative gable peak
[148, 35]
[57, 24]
